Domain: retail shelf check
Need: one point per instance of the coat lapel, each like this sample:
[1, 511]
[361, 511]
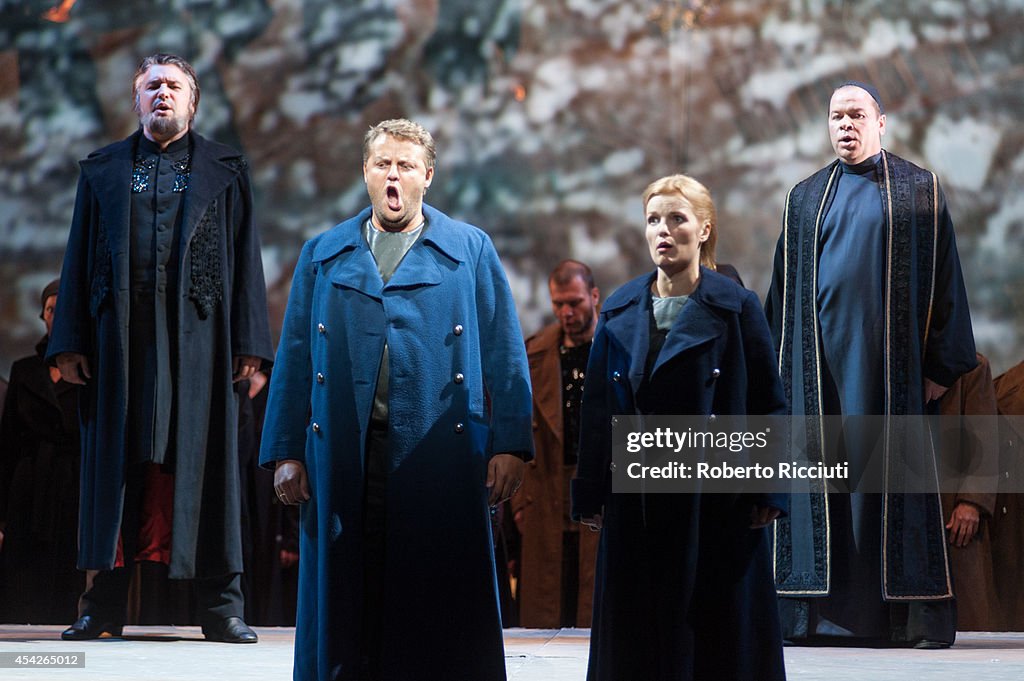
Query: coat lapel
[418, 268]
[210, 176]
[628, 323]
[110, 175]
[695, 325]
[547, 395]
[356, 269]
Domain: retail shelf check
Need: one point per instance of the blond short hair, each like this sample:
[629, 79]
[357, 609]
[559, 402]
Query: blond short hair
[405, 130]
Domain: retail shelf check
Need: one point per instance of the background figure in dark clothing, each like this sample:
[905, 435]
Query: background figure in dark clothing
[162, 307]
[270, 529]
[39, 465]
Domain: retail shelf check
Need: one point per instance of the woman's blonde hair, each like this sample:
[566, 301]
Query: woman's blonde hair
[699, 197]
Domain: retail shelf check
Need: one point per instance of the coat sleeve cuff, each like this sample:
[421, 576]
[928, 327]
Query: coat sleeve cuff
[587, 497]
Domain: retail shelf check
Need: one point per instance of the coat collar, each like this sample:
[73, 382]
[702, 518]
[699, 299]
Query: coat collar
[628, 310]
[420, 267]
[109, 171]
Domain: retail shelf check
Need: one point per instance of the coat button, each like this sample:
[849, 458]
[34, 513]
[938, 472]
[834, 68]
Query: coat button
[712, 418]
[1004, 510]
[319, 378]
[612, 466]
[321, 328]
[316, 427]
[459, 378]
[615, 420]
[457, 330]
[616, 376]
[459, 427]
[715, 373]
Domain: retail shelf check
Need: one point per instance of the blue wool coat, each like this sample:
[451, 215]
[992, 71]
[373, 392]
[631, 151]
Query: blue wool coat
[459, 393]
[683, 588]
[221, 313]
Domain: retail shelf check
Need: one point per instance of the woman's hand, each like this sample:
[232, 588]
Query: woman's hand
[762, 516]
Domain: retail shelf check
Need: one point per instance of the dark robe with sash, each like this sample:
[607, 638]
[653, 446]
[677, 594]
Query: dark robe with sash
[867, 300]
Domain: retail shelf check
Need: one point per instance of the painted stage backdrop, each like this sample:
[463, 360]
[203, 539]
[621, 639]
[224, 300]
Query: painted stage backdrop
[550, 117]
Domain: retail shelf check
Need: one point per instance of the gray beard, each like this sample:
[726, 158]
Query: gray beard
[163, 128]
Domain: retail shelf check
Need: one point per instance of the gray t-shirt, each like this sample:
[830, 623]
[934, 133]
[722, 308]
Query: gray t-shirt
[388, 249]
[667, 309]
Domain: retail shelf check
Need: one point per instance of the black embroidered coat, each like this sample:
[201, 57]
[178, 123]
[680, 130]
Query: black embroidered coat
[927, 335]
[221, 314]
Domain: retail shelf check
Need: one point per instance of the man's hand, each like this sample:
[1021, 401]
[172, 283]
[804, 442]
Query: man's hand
[243, 367]
[963, 524]
[762, 516]
[74, 368]
[504, 475]
[288, 558]
[291, 482]
[933, 391]
[594, 522]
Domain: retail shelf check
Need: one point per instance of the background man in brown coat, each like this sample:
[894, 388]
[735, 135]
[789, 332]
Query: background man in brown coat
[969, 507]
[1008, 520]
[556, 579]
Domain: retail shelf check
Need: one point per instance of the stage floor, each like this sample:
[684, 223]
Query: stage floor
[181, 654]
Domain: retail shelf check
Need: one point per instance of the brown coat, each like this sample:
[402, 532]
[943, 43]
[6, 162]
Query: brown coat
[1008, 520]
[543, 500]
[973, 581]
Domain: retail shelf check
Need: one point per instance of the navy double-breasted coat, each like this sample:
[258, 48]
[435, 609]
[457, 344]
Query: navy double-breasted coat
[221, 313]
[684, 588]
[459, 393]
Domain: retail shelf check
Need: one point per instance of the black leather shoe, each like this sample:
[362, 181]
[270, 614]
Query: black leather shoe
[929, 644]
[230, 630]
[87, 628]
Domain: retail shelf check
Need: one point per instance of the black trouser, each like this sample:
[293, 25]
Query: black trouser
[107, 598]
[374, 548]
[217, 597]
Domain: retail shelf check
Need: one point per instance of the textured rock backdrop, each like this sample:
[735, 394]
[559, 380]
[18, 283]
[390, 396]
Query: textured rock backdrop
[550, 116]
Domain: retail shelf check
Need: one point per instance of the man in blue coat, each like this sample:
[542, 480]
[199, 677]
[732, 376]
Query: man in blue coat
[162, 306]
[399, 411]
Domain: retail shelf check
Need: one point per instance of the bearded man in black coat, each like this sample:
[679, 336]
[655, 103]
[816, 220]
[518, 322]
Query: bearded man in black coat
[162, 308]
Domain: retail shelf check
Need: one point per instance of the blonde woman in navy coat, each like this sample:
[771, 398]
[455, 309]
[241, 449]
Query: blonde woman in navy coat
[684, 585]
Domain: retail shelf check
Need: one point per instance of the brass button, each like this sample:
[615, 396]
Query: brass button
[457, 330]
[459, 378]
[316, 427]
